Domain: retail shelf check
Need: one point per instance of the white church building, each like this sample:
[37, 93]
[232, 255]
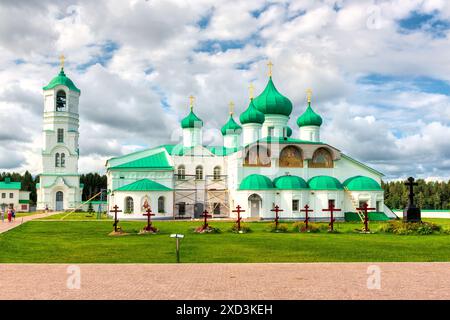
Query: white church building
[259, 165]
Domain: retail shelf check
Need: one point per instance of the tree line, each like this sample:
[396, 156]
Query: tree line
[93, 183]
[428, 195]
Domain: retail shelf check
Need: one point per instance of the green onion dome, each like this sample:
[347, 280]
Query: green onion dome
[288, 131]
[191, 121]
[231, 127]
[256, 182]
[289, 182]
[309, 118]
[61, 80]
[252, 115]
[361, 183]
[324, 183]
[270, 101]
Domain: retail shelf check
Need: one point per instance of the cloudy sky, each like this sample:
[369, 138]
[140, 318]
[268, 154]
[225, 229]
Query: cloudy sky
[379, 71]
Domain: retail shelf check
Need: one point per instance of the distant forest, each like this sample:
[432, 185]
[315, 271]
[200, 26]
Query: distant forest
[93, 183]
[429, 195]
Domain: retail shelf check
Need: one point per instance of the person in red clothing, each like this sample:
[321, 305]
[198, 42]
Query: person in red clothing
[9, 215]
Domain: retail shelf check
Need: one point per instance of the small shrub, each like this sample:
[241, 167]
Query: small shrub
[301, 227]
[282, 227]
[244, 228]
[410, 228]
[209, 229]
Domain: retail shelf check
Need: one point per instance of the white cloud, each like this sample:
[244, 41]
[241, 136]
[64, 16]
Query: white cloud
[134, 92]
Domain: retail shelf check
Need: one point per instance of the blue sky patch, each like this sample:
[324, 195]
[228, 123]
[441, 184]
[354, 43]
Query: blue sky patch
[420, 83]
[107, 52]
[429, 23]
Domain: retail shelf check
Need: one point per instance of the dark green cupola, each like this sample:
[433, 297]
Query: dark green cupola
[270, 101]
[252, 115]
[61, 80]
[309, 117]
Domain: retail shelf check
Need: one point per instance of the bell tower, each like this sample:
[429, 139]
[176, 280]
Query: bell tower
[59, 187]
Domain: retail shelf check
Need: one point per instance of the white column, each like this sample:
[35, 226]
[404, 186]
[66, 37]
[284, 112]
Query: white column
[192, 137]
[231, 140]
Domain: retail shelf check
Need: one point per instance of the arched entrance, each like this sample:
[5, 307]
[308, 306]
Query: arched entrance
[59, 201]
[255, 203]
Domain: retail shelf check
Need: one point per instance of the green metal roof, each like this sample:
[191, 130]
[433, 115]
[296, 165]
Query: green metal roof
[324, 183]
[191, 121]
[23, 201]
[61, 80]
[252, 115]
[309, 118]
[154, 161]
[256, 182]
[289, 182]
[9, 185]
[361, 183]
[270, 101]
[144, 185]
[231, 127]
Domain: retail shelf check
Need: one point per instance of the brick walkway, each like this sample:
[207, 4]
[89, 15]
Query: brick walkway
[226, 281]
[6, 226]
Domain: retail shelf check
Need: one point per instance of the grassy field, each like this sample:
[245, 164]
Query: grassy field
[75, 216]
[88, 242]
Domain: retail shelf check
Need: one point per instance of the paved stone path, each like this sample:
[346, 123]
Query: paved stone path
[6, 226]
[226, 281]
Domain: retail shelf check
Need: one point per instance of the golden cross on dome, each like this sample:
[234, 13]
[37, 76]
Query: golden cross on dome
[191, 101]
[308, 95]
[62, 59]
[250, 90]
[270, 65]
[231, 104]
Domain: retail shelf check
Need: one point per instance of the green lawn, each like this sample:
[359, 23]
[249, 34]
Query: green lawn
[88, 242]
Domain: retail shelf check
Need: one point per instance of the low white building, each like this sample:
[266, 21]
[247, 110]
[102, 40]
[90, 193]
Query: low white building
[258, 166]
[12, 196]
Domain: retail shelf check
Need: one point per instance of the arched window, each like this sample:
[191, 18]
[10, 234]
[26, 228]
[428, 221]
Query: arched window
[321, 159]
[257, 156]
[199, 173]
[161, 204]
[57, 160]
[291, 156]
[61, 100]
[129, 205]
[217, 173]
[181, 174]
[63, 160]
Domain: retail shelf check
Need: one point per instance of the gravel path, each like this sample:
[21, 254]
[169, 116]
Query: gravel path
[6, 226]
[226, 281]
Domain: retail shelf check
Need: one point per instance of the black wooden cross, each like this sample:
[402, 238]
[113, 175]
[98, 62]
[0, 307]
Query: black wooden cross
[238, 221]
[365, 208]
[331, 209]
[115, 209]
[410, 184]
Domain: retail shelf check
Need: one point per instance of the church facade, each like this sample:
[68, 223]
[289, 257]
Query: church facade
[59, 185]
[259, 165]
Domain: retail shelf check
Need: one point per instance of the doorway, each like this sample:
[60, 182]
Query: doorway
[255, 203]
[59, 201]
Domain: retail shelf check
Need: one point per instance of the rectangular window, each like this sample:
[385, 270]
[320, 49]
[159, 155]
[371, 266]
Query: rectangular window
[216, 208]
[331, 202]
[270, 133]
[361, 203]
[60, 135]
[3, 195]
[11, 195]
[295, 205]
[24, 207]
